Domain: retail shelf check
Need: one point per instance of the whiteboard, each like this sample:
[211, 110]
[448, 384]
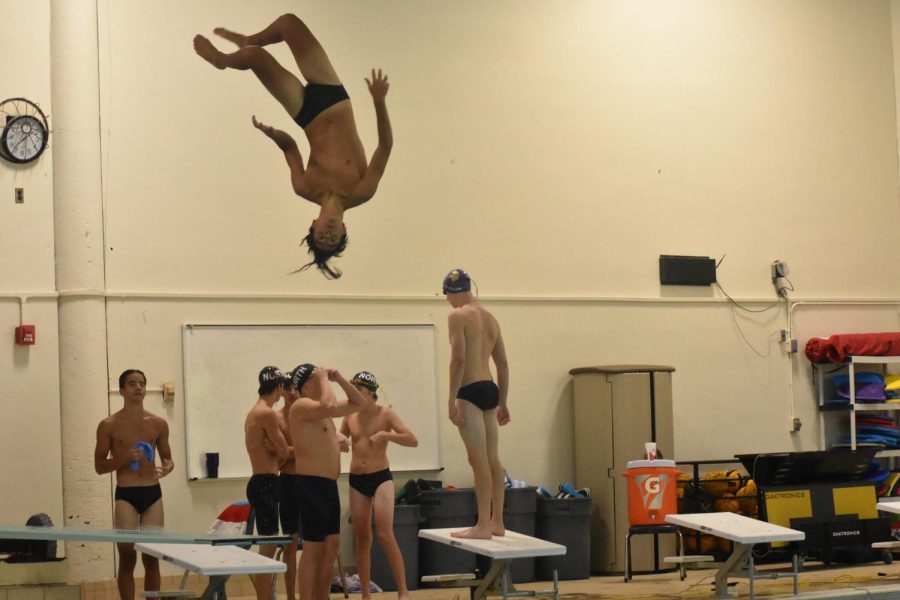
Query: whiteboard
[222, 362]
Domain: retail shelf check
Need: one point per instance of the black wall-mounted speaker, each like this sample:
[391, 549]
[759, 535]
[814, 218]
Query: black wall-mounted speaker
[686, 270]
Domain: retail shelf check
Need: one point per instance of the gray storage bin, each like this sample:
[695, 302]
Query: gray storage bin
[519, 510]
[565, 521]
[406, 530]
[441, 509]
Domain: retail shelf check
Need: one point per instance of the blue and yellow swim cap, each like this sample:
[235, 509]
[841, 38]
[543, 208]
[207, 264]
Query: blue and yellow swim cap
[457, 281]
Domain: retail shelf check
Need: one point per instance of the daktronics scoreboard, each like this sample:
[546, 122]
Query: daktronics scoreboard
[825, 495]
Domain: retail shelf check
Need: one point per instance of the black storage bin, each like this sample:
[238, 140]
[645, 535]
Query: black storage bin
[519, 510]
[565, 521]
[406, 530]
[442, 509]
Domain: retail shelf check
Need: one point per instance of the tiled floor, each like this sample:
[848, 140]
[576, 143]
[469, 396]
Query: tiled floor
[699, 584]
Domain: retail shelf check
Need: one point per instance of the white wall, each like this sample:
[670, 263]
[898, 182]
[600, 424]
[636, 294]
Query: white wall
[553, 149]
[28, 374]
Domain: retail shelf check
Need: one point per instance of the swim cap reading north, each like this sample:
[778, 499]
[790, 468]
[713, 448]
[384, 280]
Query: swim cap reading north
[302, 373]
[365, 379]
[457, 281]
[271, 374]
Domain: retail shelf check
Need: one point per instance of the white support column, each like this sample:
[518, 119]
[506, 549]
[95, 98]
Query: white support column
[78, 222]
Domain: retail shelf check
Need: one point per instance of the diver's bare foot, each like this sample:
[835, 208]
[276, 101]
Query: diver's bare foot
[238, 39]
[498, 530]
[473, 533]
[403, 595]
[208, 52]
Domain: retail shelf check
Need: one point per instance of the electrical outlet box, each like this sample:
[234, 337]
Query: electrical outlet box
[20, 195]
[168, 392]
[686, 270]
[779, 269]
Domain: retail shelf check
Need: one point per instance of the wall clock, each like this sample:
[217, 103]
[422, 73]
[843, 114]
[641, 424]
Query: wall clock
[25, 130]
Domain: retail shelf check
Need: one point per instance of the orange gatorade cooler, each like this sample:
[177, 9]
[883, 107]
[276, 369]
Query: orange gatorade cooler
[652, 491]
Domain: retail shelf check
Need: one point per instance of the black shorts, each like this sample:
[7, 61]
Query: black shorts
[140, 497]
[367, 484]
[483, 394]
[320, 507]
[262, 493]
[316, 98]
[289, 504]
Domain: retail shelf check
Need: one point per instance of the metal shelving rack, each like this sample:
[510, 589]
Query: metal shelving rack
[855, 407]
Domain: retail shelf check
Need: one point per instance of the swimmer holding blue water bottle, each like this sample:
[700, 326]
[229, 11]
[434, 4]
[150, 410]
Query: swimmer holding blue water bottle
[128, 442]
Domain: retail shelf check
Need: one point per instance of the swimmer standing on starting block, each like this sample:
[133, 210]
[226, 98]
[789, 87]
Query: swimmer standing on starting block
[336, 176]
[318, 464]
[477, 404]
[371, 481]
[138, 496]
[267, 449]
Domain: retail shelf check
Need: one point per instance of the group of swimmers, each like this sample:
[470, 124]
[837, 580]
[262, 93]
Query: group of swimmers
[295, 455]
[295, 451]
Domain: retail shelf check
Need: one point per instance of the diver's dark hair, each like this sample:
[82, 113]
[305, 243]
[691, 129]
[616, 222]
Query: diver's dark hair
[268, 387]
[320, 256]
[124, 376]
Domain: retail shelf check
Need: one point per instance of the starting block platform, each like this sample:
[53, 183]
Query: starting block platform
[222, 555]
[100, 534]
[744, 532]
[502, 550]
[891, 506]
[216, 562]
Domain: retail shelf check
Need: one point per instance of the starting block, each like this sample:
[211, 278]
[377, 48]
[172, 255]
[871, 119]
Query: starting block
[502, 550]
[216, 562]
[744, 532]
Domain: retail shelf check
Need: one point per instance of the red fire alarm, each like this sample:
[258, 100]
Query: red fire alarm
[25, 335]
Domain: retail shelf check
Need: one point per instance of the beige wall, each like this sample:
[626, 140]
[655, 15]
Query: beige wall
[32, 467]
[553, 149]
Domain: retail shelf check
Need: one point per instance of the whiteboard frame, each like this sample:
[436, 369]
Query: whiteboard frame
[187, 327]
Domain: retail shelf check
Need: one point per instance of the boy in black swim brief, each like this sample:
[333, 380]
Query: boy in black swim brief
[476, 405]
[127, 443]
[337, 177]
[371, 482]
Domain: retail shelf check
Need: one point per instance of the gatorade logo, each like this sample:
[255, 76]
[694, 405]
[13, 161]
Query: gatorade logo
[652, 487]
